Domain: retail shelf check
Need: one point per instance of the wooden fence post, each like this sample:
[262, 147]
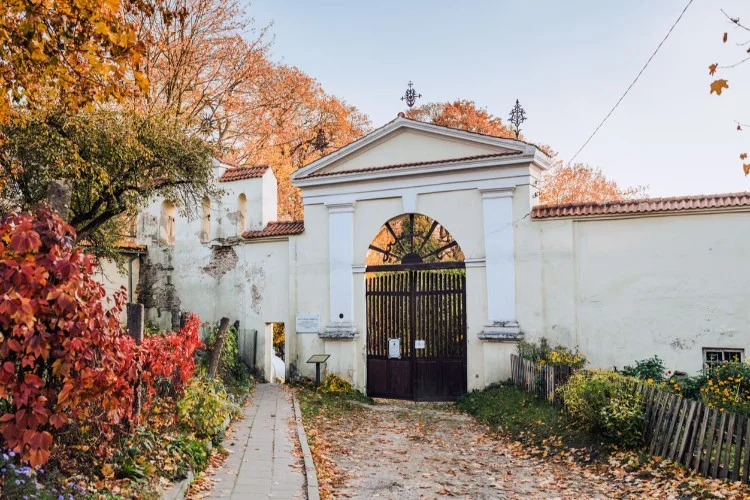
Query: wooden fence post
[135, 329]
[213, 366]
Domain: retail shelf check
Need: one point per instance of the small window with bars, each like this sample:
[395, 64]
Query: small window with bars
[712, 356]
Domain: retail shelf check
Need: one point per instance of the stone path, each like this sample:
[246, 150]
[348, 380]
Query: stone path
[405, 450]
[264, 460]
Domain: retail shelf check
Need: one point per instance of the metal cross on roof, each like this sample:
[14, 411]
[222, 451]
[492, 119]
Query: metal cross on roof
[411, 95]
[320, 142]
[517, 117]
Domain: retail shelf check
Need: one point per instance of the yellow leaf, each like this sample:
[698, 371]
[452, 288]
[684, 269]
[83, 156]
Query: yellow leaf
[725, 37]
[743, 156]
[718, 85]
[712, 69]
[746, 168]
[108, 471]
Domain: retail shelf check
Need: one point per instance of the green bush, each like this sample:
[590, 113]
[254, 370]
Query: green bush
[205, 407]
[543, 354]
[195, 451]
[690, 387]
[623, 419]
[333, 384]
[646, 369]
[534, 351]
[728, 387]
[233, 372]
[605, 403]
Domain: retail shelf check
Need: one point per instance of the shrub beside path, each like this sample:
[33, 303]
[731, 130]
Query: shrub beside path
[264, 459]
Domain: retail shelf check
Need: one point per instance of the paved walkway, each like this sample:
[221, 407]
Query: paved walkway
[264, 460]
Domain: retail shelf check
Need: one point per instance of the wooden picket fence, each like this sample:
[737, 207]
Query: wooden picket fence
[711, 442]
[542, 380]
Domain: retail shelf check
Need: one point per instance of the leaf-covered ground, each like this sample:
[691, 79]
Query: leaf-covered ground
[416, 450]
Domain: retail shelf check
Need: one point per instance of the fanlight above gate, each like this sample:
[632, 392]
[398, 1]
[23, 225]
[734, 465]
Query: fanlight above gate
[413, 239]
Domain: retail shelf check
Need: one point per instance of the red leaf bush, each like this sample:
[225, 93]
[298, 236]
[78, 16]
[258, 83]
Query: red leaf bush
[170, 357]
[64, 355]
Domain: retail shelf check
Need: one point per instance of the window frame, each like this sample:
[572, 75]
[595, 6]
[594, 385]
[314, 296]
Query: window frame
[725, 352]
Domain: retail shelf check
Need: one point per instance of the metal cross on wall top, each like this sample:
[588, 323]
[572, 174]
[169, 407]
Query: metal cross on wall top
[320, 142]
[411, 95]
[517, 117]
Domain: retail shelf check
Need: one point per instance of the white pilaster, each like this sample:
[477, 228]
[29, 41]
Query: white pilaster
[341, 256]
[500, 263]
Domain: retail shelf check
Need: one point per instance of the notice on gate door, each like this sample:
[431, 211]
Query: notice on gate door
[419, 344]
[394, 348]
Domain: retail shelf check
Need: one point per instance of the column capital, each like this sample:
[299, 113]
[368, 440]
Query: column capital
[340, 208]
[503, 192]
[359, 268]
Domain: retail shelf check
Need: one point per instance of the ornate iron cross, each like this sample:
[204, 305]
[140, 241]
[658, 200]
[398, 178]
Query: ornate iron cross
[320, 142]
[517, 117]
[411, 95]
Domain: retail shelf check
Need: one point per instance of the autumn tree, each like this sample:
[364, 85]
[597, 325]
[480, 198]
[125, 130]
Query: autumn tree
[75, 51]
[740, 45]
[583, 184]
[309, 125]
[208, 66]
[114, 161]
[466, 115]
[462, 114]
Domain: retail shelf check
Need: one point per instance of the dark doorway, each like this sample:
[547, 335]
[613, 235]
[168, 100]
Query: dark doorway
[416, 313]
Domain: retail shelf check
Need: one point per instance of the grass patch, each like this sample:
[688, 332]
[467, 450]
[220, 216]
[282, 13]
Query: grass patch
[316, 401]
[525, 417]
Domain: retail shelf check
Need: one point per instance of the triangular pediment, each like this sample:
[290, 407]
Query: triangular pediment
[405, 144]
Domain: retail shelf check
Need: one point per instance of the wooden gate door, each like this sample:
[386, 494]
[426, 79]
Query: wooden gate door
[416, 333]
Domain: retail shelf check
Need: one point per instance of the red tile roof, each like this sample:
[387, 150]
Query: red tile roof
[277, 228]
[240, 173]
[645, 205]
[413, 164]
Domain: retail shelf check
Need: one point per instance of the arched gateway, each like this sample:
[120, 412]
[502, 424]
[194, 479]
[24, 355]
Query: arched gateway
[416, 312]
[409, 314]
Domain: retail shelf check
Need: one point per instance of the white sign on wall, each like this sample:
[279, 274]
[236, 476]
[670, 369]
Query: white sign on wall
[307, 323]
[419, 344]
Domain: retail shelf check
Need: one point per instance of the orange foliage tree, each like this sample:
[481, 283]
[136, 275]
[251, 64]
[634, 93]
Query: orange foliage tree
[463, 114]
[718, 85]
[79, 50]
[208, 65]
[563, 184]
[582, 184]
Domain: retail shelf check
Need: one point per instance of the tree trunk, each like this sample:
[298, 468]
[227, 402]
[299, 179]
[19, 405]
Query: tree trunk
[213, 366]
[58, 196]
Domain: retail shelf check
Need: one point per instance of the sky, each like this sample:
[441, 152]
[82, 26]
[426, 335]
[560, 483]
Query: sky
[567, 62]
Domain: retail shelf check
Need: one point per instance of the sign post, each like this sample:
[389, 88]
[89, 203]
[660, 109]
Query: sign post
[318, 359]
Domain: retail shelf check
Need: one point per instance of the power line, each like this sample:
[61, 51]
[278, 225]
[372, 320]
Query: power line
[633, 83]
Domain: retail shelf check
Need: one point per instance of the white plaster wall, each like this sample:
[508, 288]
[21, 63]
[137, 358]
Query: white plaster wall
[627, 289]
[309, 288]
[460, 212]
[115, 279]
[226, 276]
[270, 194]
